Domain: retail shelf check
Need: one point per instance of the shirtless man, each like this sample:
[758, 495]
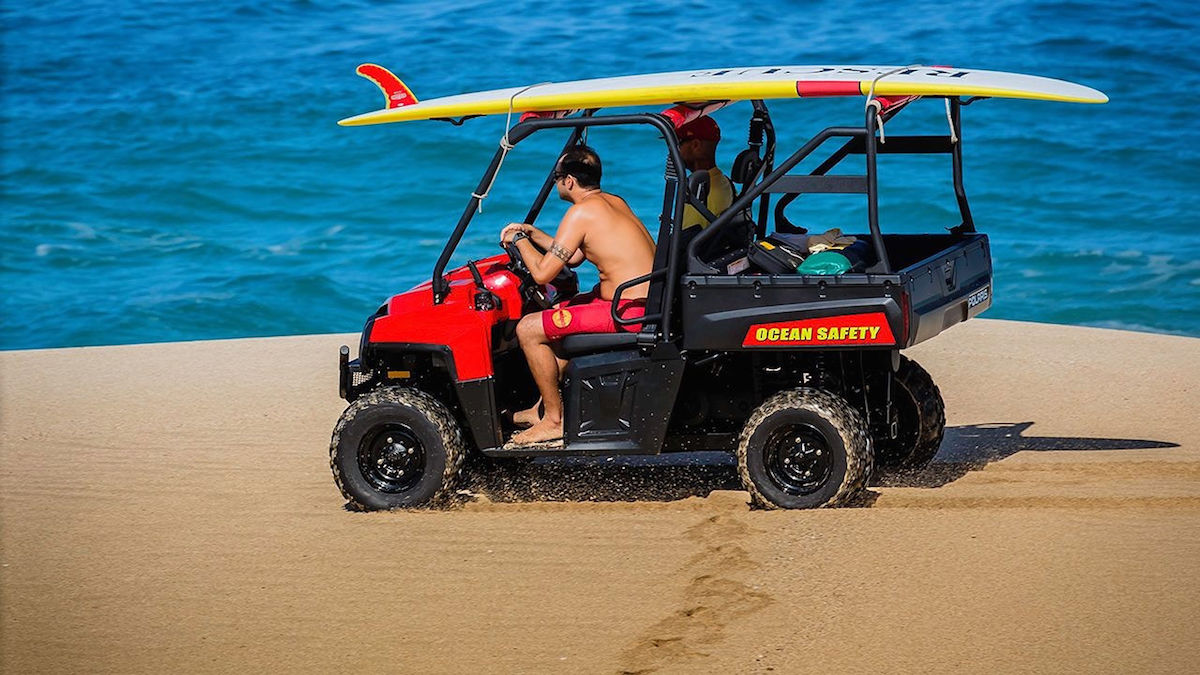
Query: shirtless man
[601, 228]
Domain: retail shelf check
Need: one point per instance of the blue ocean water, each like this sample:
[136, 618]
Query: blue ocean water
[173, 171]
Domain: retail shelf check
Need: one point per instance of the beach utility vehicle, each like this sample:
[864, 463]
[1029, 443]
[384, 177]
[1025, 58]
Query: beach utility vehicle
[744, 347]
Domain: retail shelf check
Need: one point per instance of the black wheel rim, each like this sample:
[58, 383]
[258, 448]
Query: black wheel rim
[798, 459]
[391, 458]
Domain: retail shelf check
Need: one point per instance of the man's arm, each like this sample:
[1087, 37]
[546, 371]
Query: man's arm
[546, 242]
[540, 238]
[559, 250]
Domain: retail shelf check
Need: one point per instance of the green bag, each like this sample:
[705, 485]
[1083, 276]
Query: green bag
[825, 262]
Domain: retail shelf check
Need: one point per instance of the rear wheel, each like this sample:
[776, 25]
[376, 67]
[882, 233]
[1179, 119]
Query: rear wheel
[396, 447]
[920, 417]
[802, 449]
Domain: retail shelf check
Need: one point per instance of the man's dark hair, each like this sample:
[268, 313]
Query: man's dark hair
[581, 163]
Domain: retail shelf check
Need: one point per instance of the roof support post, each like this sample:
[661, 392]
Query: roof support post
[884, 265]
[672, 213]
[441, 287]
[768, 164]
[968, 223]
[548, 184]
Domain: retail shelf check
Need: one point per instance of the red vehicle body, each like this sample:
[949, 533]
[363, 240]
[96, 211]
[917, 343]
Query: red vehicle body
[413, 319]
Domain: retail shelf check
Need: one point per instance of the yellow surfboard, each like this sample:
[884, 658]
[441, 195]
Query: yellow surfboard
[728, 84]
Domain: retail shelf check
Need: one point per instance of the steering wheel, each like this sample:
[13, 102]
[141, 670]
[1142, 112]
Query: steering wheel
[530, 290]
[566, 282]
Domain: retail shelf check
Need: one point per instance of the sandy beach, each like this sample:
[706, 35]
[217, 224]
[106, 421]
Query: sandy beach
[170, 507]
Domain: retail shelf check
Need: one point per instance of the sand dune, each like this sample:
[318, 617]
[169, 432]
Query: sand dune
[170, 507]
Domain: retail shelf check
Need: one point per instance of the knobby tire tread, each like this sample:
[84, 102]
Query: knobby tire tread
[429, 407]
[849, 423]
[932, 412]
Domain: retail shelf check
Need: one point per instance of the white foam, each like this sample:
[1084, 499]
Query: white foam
[44, 250]
[82, 230]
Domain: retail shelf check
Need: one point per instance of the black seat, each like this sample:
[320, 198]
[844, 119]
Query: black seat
[730, 244]
[745, 169]
[698, 186]
[590, 343]
[736, 235]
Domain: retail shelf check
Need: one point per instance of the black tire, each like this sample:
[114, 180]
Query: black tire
[921, 421]
[396, 447]
[802, 449]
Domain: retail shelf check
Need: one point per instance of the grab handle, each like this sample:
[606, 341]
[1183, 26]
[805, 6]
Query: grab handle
[629, 284]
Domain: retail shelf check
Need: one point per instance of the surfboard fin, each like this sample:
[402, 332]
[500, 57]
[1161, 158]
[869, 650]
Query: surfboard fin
[395, 92]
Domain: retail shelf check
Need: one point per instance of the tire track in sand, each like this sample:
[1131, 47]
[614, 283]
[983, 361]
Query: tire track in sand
[716, 595]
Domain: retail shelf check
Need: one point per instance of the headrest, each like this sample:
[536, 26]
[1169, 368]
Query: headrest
[745, 166]
[698, 185]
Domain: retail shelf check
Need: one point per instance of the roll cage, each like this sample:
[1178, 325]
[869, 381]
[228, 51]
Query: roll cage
[768, 180]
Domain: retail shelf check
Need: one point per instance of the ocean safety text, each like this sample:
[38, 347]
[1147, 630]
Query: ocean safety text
[821, 334]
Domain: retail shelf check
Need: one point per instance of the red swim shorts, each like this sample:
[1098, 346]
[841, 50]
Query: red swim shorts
[589, 313]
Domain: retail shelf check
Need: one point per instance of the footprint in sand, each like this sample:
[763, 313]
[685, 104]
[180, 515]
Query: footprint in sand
[716, 595]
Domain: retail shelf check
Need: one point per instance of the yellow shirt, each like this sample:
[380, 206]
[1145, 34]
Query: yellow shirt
[720, 196]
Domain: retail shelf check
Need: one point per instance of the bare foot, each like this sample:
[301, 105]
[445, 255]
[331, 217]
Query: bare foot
[527, 418]
[545, 430]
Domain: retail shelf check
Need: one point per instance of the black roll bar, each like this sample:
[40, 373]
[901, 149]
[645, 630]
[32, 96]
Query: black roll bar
[520, 132]
[907, 145]
[883, 264]
[540, 200]
[675, 194]
[440, 286]
[535, 208]
[860, 141]
[697, 266]
[797, 185]
[968, 223]
[833, 160]
[768, 162]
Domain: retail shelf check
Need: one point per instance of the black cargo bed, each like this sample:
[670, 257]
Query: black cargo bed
[942, 279]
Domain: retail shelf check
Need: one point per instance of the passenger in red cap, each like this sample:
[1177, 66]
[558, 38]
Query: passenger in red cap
[698, 146]
[704, 128]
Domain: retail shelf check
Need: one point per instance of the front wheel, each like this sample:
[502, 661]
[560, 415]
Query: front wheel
[803, 449]
[396, 447]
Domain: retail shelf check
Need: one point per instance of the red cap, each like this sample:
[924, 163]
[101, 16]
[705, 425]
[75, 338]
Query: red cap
[704, 128]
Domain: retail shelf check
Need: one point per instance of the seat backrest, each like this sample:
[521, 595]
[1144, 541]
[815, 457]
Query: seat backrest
[698, 185]
[735, 236]
[745, 168]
